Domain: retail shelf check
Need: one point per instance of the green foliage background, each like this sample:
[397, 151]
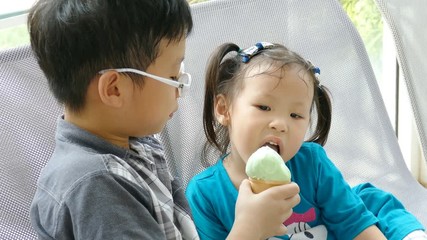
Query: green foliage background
[14, 36]
[368, 21]
[196, 1]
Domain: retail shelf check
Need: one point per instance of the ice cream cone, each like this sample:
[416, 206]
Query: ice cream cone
[260, 185]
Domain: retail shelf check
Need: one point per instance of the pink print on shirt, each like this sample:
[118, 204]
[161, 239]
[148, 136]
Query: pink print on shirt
[306, 217]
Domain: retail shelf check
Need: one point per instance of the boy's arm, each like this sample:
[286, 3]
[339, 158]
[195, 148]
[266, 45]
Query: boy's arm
[108, 207]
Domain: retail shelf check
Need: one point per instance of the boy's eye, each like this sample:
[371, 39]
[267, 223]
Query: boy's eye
[174, 78]
[264, 108]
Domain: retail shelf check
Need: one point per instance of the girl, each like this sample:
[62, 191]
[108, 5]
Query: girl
[265, 95]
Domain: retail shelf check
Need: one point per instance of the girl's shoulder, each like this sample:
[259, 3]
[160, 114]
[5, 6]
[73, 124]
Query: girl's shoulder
[311, 148]
[311, 155]
[210, 172]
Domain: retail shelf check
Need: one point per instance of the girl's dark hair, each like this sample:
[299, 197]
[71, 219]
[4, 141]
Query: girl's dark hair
[74, 39]
[224, 75]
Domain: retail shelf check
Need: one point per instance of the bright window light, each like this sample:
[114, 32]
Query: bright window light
[9, 8]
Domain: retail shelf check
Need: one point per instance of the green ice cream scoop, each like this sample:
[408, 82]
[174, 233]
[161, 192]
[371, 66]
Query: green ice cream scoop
[267, 165]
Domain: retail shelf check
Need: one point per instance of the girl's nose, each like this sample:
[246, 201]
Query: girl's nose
[279, 124]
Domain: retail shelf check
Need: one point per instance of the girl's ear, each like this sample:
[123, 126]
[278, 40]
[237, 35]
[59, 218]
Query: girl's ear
[110, 89]
[222, 110]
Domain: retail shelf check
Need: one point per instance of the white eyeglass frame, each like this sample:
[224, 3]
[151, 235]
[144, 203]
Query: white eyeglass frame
[183, 82]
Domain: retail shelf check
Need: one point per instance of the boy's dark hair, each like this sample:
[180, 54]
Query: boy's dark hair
[224, 75]
[74, 39]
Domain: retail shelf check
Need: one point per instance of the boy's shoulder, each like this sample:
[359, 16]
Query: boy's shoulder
[80, 156]
[71, 166]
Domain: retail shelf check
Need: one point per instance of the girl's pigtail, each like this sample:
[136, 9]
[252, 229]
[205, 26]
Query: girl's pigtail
[324, 115]
[214, 78]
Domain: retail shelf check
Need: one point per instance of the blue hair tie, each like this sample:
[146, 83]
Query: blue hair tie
[245, 58]
[250, 52]
[316, 71]
[259, 46]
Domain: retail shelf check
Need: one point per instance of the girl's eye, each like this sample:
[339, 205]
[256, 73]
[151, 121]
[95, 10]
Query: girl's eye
[294, 115]
[264, 108]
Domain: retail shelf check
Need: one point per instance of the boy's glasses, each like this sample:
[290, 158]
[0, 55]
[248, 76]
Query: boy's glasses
[182, 83]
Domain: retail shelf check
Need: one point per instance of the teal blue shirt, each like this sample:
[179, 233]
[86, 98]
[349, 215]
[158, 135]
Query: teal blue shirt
[326, 198]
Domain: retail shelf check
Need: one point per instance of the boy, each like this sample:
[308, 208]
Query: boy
[116, 68]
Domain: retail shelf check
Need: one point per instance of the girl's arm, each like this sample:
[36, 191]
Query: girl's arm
[371, 232]
[260, 216]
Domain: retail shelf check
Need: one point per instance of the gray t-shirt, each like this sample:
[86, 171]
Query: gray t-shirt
[92, 189]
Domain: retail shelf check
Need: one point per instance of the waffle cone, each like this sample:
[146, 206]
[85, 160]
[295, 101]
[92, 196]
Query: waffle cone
[260, 185]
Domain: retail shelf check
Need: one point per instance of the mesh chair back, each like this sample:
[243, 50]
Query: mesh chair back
[27, 125]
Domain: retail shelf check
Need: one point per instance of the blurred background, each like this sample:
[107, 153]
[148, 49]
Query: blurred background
[378, 42]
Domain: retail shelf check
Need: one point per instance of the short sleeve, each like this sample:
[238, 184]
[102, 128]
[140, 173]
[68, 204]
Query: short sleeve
[105, 206]
[205, 218]
[342, 211]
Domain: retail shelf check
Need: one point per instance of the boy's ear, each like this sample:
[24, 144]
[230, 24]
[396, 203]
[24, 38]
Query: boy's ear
[110, 89]
[222, 110]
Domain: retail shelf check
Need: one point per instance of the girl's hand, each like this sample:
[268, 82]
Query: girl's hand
[260, 216]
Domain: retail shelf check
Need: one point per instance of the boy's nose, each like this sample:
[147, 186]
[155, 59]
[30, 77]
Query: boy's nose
[177, 95]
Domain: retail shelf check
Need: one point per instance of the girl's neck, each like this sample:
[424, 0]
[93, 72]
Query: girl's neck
[235, 168]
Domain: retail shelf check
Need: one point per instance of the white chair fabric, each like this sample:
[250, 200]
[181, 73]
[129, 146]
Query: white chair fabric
[28, 116]
[362, 141]
[407, 21]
